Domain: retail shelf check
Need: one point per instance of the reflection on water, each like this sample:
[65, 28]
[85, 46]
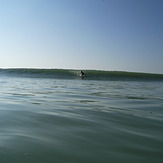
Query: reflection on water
[48, 120]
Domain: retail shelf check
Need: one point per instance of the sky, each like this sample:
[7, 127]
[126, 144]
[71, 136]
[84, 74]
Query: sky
[113, 35]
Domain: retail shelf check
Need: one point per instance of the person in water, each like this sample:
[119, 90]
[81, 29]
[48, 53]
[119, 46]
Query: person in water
[82, 73]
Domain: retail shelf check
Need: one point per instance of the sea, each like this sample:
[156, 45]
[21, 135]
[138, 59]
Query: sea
[56, 116]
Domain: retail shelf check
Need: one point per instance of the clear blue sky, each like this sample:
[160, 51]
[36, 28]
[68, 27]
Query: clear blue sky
[123, 35]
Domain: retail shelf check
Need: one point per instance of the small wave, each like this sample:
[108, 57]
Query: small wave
[75, 74]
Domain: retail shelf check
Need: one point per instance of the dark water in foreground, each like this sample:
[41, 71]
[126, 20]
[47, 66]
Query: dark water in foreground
[80, 121]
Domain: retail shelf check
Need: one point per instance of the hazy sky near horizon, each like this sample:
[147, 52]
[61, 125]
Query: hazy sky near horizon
[122, 35]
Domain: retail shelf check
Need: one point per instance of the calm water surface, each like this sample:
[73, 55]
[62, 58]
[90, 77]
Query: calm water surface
[80, 121]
